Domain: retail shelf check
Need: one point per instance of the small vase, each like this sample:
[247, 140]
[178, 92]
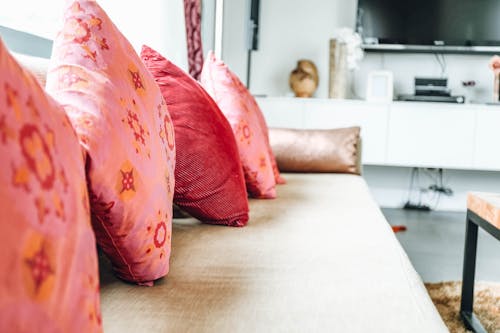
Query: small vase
[304, 79]
[339, 72]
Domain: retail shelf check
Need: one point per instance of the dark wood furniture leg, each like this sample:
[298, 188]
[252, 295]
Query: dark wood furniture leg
[469, 271]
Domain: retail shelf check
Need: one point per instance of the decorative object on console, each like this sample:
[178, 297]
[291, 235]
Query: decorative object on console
[345, 54]
[48, 261]
[236, 103]
[209, 181]
[333, 150]
[304, 78]
[380, 87]
[127, 137]
[338, 70]
[495, 67]
[469, 90]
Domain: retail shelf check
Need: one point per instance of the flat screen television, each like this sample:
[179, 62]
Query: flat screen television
[456, 26]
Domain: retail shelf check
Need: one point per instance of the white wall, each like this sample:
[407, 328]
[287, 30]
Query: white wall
[160, 23]
[291, 30]
[41, 18]
[294, 29]
[234, 38]
[208, 25]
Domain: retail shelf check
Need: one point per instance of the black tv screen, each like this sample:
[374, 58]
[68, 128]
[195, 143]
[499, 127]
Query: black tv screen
[453, 25]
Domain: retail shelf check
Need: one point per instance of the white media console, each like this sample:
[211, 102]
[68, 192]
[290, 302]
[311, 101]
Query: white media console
[406, 134]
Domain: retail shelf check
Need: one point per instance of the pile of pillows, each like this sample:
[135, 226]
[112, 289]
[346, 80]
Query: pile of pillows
[104, 151]
[101, 155]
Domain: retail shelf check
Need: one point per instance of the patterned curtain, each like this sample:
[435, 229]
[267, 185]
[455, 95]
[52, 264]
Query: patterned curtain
[192, 13]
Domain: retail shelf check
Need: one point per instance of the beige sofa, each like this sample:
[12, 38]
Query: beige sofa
[319, 258]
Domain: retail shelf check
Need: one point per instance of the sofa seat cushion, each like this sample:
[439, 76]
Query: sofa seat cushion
[321, 257]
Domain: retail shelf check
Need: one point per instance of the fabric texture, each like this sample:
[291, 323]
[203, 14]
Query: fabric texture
[48, 261]
[192, 15]
[234, 102]
[334, 150]
[447, 296]
[127, 136]
[209, 181]
[321, 257]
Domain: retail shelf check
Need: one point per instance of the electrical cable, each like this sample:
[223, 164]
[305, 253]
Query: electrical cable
[410, 188]
[427, 197]
[442, 63]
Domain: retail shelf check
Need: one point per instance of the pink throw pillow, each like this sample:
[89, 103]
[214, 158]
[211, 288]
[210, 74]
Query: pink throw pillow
[263, 125]
[231, 97]
[128, 139]
[48, 259]
[209, 181]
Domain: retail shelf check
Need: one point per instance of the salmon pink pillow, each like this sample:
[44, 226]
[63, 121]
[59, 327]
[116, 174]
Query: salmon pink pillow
[253, 144]
[48, 259]
[252, 103]
[127, 136]
[209, 181]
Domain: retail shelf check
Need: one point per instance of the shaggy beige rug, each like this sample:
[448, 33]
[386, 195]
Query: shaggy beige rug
[446, 297]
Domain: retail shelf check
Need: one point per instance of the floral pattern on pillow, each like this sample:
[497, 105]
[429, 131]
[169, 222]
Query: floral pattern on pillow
[230, 95]
[48, 260]
[127, 138]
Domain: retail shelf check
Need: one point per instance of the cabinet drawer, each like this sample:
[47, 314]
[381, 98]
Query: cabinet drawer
[431, 135]
[487, 152]
[285, 113]
[372, 118]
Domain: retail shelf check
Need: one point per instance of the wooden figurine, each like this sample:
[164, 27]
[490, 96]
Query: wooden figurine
[304, 79]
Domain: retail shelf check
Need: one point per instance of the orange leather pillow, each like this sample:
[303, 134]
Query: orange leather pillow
[48, 260]
[125, 129]
[333, 150]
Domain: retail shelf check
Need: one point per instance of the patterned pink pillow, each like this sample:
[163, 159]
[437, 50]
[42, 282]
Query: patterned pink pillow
[127, 135]
[230, 95]
[252, 103]
[48, 259]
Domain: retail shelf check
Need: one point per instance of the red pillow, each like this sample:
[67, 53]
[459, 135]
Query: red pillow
[48, 259]
[209, 182]
[125, 129]
[253, 144]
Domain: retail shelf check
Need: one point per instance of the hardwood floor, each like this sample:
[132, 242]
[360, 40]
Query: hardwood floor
[434, 242]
